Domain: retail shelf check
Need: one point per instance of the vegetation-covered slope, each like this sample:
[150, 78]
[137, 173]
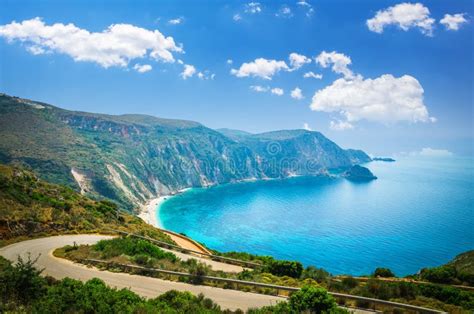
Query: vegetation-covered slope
[131, 158]
[31, 207]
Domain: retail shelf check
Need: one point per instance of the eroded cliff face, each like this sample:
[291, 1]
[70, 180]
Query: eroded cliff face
[132, 158]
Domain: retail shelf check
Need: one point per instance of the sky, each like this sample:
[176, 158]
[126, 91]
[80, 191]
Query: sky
[389, 77]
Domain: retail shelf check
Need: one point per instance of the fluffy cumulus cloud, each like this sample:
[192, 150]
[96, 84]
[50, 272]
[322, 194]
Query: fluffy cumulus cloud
[297, 93]
[176, 21]
[188, 71]
[386, 99]
[261, 67]
[307, 127]
[297, 60]
[236, 17]
[277, 91]
[115, 46]
[253, 7]
[453, 22]
[142, 68]
[311, 74]
[405, 16]
[339, 62]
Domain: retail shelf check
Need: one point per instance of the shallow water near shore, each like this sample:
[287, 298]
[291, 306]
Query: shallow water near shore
[420, 212]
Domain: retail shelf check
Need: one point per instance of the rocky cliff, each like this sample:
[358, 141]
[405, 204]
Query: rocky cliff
[131, 158]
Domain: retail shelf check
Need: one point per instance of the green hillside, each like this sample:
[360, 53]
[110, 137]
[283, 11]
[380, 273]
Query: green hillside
[132, 158]
[31, 207]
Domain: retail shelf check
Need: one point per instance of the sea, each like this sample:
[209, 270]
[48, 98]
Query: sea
[418, 213]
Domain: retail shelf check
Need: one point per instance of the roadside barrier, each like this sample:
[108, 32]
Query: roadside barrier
[374, 302]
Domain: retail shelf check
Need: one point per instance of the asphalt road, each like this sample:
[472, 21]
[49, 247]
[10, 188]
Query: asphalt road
[144, 286]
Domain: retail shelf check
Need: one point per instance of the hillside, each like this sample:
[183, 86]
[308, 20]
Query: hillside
[132, 158]
[32, 207]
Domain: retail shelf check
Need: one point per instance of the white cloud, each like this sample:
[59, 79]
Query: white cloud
[405, 16]
[340, 125]
[205, 75]
[230, 61]
[453, 22]
[284, 12]
[339, 62]
[308, 6]
[297, 60]
[297, 93]
[307, 127]
[253, 7]
[180, 61]
[311, 74]
[277, 91]
[189, 71]
[303, 3]
[259, 88]
[261, 67]
[142, 68]
[115, 46]
[432, 152]
[386, 99]
[237, 17]
[176, 21]
[36, 50]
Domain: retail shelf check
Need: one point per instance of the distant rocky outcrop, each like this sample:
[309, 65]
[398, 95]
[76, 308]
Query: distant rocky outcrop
[385, 159]
[359, 173]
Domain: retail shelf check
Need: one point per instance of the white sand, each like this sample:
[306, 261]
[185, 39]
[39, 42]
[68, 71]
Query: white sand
[149, 211]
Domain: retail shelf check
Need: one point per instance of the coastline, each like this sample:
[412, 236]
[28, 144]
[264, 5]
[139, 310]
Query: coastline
[149, 211]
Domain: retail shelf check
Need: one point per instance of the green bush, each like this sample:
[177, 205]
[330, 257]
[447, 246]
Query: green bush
[131, 247]
[22, 282]
[284, 268]
[383, 272]
[313, 300]
[318, 274]
[443, 274]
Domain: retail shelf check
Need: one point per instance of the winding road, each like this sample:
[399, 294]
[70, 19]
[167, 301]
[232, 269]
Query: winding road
[145, 286]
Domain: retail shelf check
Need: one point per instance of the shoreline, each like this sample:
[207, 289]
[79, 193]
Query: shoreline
[149, 211]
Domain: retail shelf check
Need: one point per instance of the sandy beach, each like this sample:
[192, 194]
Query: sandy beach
[148, 212]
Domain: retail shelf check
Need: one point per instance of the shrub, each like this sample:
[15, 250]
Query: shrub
[312, 300]
[442, 274]
[22, 282]
[131, 247]
[285, 268]
[318, 274]
[349, 283]
[383, 272]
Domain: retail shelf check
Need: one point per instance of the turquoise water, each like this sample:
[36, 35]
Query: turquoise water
[418, 213]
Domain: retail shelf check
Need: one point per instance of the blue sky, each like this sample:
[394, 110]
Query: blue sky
[399, 83]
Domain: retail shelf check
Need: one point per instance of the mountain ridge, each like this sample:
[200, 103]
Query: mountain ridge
[133, 157]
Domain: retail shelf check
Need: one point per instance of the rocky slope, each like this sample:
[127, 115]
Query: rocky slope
[131, 158]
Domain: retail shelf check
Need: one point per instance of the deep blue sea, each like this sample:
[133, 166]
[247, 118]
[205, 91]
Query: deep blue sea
[420, 212]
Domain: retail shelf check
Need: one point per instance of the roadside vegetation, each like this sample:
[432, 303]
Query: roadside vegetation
[133, 251]
[24, 290]
[30, 207]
